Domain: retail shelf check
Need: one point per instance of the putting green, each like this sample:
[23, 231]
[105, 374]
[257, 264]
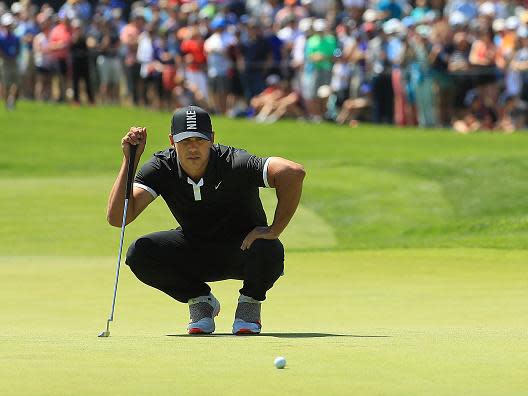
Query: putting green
[399, 322]
[398, 318]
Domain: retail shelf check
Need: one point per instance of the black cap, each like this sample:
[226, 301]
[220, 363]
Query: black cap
[191, 121]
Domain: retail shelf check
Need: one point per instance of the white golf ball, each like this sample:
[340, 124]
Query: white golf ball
[280, 362]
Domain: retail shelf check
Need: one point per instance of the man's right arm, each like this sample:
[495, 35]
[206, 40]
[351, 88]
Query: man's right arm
[139, 198]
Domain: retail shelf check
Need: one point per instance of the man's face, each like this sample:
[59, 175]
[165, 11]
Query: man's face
[193, 153]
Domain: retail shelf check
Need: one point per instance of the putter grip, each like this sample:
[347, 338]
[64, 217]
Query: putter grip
[130, 170]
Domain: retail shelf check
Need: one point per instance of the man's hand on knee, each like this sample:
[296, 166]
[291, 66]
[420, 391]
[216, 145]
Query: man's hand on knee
[258, 233]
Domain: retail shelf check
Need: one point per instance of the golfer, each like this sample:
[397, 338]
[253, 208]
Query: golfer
[212, 192]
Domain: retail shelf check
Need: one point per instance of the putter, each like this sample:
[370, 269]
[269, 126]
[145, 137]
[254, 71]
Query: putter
[130, 170]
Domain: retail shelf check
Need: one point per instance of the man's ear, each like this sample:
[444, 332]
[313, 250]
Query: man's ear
[171, 139]
[212, 137]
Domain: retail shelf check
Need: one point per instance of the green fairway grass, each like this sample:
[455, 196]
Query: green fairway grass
[406, 269]
[398, 322]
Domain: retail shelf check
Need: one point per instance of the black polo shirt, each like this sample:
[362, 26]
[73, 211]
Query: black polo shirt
[222, 206]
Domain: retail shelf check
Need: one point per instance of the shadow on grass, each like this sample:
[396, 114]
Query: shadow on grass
[280, 335]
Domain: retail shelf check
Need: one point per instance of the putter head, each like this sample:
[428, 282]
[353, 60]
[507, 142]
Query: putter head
[104, 334]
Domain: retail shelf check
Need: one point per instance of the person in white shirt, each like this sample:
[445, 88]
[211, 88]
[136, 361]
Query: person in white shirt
[218, 64]
[42, 58]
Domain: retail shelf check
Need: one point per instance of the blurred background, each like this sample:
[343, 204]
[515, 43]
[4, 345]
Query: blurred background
[460, 64]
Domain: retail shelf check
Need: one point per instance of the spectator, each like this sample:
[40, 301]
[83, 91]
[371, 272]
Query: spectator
[263, 103]
[167, 65]
[322, 9]
[290, 104]
[109, 64]
[43, 59]
[80, 65]
[357, 55]
[26, 30]
[186, 93]
[297, 60]
[420, 11]
[59, 45]
[421, 77]
[216, 48]
[150, 71]
[339, 87]
[511, 114]
[129, 37]
[458, 67]
[236, 102]
[277, 50]
[390, 9]
[393, 28]
[478, 116]
[76, 9]
[353, 110]
[320, 50]
[104, 9]
[192, 49]
[482, 58]
[439, 56]
[9, 50]
[290, 10]
[506, 40]
[519, 64]
[255, 61]
[286, 36]
[467, 8]
[379, 75]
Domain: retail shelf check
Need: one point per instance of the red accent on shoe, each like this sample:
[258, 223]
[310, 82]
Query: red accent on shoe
[245, 331]
[196, 330]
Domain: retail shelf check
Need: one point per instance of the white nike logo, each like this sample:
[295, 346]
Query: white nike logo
[218, 185]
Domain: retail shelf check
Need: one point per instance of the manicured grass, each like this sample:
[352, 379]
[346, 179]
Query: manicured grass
[406, 268]
[397, 322]
[375, 186]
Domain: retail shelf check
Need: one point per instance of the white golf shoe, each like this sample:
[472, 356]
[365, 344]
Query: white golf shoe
[247, 316]
[202, 311]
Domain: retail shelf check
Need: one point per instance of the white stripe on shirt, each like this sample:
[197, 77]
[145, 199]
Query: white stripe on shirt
[265, 172]
[146, 188]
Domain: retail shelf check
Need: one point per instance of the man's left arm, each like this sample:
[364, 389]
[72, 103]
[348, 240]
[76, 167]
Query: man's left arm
[286, 177]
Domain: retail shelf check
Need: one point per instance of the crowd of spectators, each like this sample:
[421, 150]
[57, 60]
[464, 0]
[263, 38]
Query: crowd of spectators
[459, 63]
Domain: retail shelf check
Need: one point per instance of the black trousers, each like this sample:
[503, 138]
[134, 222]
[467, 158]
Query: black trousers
[133, 77]
[81, 70]
[178, 267]
[383, 99]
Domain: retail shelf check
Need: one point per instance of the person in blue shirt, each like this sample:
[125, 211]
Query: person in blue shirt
[467, 7]
[9, 51]
[80, 9]
[390, 8]
[26, 29]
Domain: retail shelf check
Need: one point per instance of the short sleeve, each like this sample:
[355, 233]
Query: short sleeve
[149, 177]
[251, 167]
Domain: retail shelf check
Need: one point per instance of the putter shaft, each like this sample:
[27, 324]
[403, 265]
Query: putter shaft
[130, 171]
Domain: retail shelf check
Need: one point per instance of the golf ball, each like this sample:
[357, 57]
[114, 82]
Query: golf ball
[280, 362]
